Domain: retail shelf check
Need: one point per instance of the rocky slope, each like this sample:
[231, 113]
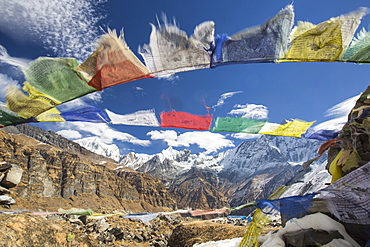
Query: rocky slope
[67, 175]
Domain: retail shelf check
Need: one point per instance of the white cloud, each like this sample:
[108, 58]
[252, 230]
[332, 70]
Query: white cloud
[139, 88]
[223, 97]
[70, 134]
[209, 141]
[67, 28]
[245, 136]
[252, 111]
[101, 130]
[14, 61]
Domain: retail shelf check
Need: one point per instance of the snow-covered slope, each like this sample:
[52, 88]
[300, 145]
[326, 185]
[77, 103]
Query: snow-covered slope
[94, 144]
[266, 153]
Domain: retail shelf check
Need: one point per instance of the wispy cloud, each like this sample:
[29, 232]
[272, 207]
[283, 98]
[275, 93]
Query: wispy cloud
[67, 28]
[253, 111]
[211, 142]
[223, 97]
[14, 61]
[343, 108]
[338, 113]
[107, 134]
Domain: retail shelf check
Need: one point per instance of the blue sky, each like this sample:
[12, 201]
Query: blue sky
[29, 29]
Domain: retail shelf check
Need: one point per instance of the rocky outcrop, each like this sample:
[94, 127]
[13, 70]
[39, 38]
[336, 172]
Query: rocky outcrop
[188, 234]
[51, 138]
[53, 178]
[198, 189]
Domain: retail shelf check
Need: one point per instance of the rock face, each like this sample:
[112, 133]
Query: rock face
[53, 177]
[198, 188]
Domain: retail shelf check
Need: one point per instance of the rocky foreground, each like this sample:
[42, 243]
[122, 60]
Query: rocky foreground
[61, 230]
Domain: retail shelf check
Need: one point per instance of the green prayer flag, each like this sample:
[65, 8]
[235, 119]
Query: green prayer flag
[57, 78]
[9, 118]
[245, 125]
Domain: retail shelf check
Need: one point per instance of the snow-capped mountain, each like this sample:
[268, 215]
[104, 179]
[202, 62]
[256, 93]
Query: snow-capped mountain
[171, 163]
[94, 144]
[253, 170]
[266, 153]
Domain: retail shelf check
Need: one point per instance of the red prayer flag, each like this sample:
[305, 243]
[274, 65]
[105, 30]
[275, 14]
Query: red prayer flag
[185, 120]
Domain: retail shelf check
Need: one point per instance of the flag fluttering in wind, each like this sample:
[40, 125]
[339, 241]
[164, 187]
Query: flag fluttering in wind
[171, 51]
[294, 128]
[324, 42]
[179, 119]
[113, 63]
[141, 118]
[265, 43]
[237, 124]
[57, 78]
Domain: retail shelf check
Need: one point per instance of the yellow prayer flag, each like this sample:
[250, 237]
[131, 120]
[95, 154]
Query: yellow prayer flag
[25, 106]
[51, 115]
[324, 42]
[334, 169]
[250, 238]
[294, 128]
[320, 43]
[34, 94]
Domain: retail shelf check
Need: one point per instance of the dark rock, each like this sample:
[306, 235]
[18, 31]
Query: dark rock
[117, 232]
[4, 190]
[4, 166]
[160, 244]
[138, 237]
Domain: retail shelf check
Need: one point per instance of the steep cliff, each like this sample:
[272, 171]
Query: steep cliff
[72, 176]
[198, 188]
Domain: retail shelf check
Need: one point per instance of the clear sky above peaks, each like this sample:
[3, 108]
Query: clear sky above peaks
[288, 90]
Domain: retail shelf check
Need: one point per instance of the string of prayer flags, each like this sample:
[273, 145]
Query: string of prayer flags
[144, 217]
[265, 43]
[171, 51]
[293, 128]
[247, 205]
[359, 49]
[113, 63]
[237, 124]
[324, 42]
[178, 119]
[57, 78]
[199, 212]
[142, 118]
